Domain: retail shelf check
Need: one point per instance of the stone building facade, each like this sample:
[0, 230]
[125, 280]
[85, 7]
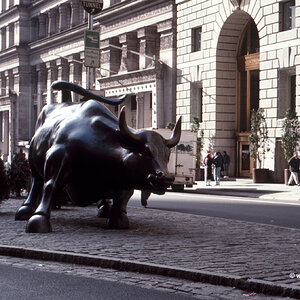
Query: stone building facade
[211, 59]
[43, 41]
[233, 56]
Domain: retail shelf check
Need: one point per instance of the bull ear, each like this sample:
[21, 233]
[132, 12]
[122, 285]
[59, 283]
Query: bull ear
[174, 140]
[127, 134]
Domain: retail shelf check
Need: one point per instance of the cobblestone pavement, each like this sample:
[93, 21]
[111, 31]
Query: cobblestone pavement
[250, 250]
[171, 285]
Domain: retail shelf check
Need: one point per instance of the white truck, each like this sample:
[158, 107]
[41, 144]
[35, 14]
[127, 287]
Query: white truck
[182, 159]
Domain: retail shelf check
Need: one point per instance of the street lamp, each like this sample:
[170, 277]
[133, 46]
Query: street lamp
[236, 3]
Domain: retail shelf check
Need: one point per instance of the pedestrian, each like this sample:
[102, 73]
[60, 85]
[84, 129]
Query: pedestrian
[294, 163]
[226, 163]
[207, 161]
[217, 161]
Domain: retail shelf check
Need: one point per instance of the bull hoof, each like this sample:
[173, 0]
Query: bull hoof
[119, 222]
[104, 211]
[24, 213]
[38, 224]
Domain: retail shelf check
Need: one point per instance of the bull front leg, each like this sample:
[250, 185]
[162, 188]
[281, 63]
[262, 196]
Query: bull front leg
[118, 215]
[28, 207]
[53, 181]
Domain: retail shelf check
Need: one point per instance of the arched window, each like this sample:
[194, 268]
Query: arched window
[248, 67]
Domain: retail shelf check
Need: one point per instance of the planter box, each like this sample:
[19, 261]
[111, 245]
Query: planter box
[261, 176]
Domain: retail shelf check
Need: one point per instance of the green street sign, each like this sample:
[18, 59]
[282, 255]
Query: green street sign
[92, 39]
[92, 48]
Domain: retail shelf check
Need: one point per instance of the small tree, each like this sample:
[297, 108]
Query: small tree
[290, 133]
[170, 125]
[196, 128]
[4, 187]
[258, 136]
[19, 174]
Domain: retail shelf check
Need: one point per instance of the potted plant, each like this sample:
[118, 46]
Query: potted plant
[196, 128]
[4, 187]
[258, 139]
[290, 136]
[19, 174]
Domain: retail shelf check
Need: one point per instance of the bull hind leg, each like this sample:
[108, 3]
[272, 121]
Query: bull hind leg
[118, 215]
[104, 208]
[28, 207]
[53, 182]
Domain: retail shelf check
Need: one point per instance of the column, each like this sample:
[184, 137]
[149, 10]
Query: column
[110, 57]
[62, 73]
[75, 13]
[22, 86]
[140, 111]
[75, 75]
[51, 76]
[5, 137]
[148, 37]
[41, 85]
[13, 116]
[52, 21]
[42, 25]
[63, 19]
[129, 61]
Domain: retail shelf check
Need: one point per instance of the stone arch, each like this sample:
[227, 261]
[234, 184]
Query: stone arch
[226, 83]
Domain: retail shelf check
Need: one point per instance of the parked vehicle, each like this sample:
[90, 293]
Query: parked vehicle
[182, 161]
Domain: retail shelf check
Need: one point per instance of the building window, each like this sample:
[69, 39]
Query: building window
[133, 102]
[1, 126]
[200, 97]
[196, 36]
[293, 92]
[286, 92]
[287, 15]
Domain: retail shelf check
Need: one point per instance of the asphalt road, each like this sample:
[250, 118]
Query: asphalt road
[17, 283]
[284, 213]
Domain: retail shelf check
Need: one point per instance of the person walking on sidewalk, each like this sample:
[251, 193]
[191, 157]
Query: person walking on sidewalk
[207, 161]
[226, 162]
[217, 161]
[294, 163]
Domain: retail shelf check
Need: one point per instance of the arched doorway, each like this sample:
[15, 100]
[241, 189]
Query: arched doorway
[248, 95]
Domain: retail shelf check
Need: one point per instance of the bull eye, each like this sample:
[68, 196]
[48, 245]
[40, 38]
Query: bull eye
[148, 152]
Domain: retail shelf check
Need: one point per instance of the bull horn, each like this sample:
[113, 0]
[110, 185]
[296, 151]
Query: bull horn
[174, 140]
[124, 129]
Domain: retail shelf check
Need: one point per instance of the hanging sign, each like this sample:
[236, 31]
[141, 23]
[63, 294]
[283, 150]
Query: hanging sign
[92, 6]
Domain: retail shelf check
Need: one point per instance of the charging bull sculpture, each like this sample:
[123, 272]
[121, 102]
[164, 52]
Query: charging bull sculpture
[83, 149]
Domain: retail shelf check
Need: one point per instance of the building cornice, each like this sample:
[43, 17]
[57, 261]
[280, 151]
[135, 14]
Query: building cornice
[132, 78]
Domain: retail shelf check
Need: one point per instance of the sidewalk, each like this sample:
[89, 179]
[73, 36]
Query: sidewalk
[241, 187]
[255, 257]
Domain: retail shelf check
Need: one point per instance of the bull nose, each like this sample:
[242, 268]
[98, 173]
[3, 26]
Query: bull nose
[160, 174]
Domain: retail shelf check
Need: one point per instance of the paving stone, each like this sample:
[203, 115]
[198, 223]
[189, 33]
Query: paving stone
[178, 240]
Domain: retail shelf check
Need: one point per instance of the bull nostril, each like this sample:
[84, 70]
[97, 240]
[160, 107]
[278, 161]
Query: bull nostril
[159, 174]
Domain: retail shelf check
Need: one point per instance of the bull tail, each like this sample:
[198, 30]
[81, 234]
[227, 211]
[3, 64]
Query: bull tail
[68, 87]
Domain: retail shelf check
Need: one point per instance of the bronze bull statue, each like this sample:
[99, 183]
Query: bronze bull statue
[83, 149]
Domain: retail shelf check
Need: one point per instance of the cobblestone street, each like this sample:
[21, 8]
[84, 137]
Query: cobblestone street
[223, 247]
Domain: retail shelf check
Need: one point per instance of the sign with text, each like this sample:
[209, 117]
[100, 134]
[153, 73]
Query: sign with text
[92, 6]
[91, 48]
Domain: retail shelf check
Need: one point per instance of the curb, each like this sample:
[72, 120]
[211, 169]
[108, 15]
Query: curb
[253, 285]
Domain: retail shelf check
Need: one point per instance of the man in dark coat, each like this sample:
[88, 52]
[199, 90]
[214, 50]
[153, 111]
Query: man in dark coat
[226, 162]
[294, 163]
[218, 161]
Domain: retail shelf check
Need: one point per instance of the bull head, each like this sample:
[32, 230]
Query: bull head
[129, 135]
